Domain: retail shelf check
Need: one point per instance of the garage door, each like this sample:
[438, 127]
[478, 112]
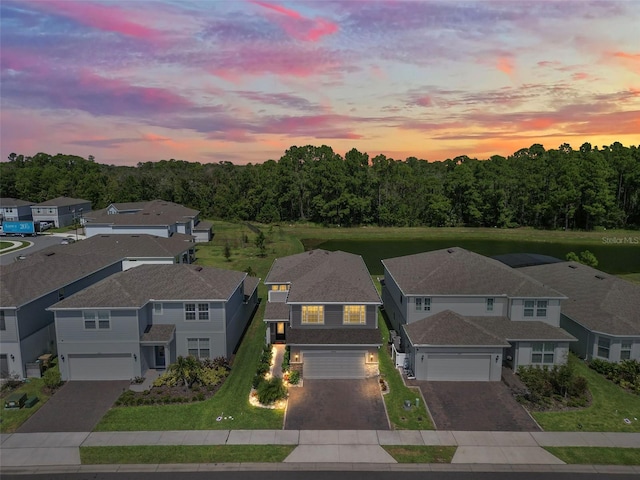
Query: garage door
[333, 365]
[116, 366]
[462, 368]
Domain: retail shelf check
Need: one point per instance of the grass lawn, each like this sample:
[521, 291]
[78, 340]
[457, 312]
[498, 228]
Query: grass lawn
[610, 406]
[420, 454]
[597, 455]
[185, 454]
[4, 245]
[631, 277]
[12, 419]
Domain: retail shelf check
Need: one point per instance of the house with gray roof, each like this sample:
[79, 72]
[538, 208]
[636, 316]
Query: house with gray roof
[155, 217]
[461, 316]
[602, 312]
[145, 317]
[61, 211]
[30, 285]
[324, 306]
[14, 209]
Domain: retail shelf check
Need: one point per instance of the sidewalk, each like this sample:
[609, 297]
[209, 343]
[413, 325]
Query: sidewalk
[501, 450]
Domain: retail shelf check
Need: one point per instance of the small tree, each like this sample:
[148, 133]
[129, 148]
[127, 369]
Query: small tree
[586, 258]
[261, 243]
[187, 370]
[227, 252]
[249, 271]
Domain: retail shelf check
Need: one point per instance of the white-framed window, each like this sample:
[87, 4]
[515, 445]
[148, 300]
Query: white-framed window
[423, 304]
[354, 315]
[199, 347]
[625, 349]
[489, 304]
[99, 319]
[196, 312]
[313, 314]
[157, 308]
[536, 308]
[279, 288]
[3, 322]
[543, 353]
[604, 344]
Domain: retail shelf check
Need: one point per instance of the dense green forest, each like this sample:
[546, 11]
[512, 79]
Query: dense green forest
[557, 188]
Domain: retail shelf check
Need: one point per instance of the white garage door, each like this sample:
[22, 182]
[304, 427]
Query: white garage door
[461, 368]
[328, 364]
[115, 366]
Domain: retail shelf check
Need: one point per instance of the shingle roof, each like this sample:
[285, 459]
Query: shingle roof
[456, 271]
[449, 328]
[276, 311]
[135, 287]
[61, 202]
[530, 330]
[158, 333]
[14, 202]
[250, 284]
[517, 260]
[320, 276]
[202, 226]
[54, 267]
[599, 301]
[333, 336]
[155, 212]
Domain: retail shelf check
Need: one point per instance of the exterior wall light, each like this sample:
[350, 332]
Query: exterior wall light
[135, 357]
[62, 357]
[12, 357]
[297, 357]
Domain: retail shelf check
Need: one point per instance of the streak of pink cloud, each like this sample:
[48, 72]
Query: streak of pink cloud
[298, 26]
[580, 76]
[107, 18]
[424, 101]
[279, 9]
[505, 65]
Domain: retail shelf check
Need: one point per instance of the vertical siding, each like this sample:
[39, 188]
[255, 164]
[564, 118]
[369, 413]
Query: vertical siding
[583, 345]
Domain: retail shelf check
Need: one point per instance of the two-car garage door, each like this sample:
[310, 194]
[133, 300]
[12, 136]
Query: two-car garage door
[327, 364]
[461, 368]
[115, 366]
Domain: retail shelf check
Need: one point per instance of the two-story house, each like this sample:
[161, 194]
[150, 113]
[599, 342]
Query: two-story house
[603, 311]
[61, 211]
[147, 316]
[29, 286]
[13, 209]
[324, 306]
[462, 315]
[155, 217]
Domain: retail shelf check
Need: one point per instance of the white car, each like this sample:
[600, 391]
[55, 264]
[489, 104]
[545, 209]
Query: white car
[67, 241]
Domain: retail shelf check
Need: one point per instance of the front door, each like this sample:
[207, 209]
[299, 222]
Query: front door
[160, 358]
[280, 332]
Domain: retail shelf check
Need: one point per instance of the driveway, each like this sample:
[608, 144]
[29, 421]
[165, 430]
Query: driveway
[76, 407]
[475, 406]
[336, 405]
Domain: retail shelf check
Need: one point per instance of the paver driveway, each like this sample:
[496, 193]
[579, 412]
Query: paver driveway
[336, 405]
[76, 407]
[475, 406]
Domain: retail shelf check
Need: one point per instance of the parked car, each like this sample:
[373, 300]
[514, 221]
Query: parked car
[67, 241]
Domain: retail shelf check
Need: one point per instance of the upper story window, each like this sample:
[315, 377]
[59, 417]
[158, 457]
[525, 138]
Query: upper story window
[543, 353]
[196, 311]
[3, 322]
[313, 314]
[423, 304]
[537, 308]
[604, 344]
[354, 315]
[100, 320]
[489, 304]
[157, 308]
[625, 349]
[279, 288]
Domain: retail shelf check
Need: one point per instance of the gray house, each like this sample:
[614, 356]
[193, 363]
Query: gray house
[13, 209]
[29, 286]
[461, 316]
[156, 217]
[324, 305]
[61, 211]
[603, 311]
[146, 317]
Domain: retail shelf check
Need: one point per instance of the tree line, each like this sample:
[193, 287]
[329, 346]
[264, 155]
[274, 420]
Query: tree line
[557, 188]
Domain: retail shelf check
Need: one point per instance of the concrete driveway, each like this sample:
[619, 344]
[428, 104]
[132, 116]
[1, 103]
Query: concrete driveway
[475, 406]
[336, 405]
[76, 407]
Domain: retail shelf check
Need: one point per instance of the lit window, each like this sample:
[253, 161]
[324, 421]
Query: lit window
[603, 347]
[625, 350]
[542, 353]
[281, 288]
[354, 315]
[489, 304]
[198, 347]
[312, 314]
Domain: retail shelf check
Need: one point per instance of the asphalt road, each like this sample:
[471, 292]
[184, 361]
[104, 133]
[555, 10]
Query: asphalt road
[324, 475]
[39, 242]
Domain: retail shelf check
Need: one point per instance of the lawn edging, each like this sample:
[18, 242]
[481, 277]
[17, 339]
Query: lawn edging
[596, 455]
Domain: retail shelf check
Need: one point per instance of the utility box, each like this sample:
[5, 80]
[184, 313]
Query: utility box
[15, 400]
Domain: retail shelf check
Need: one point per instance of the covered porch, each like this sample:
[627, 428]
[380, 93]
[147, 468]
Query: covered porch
[158, 347]
[276, 316]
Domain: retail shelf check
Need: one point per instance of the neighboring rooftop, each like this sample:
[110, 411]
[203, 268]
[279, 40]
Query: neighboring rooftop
[154, 212]
[276, 311]
[137, 286]
[14, 202]
[321, 276]
[456, 271]
[517, 260]
[598, 301]
[61, 202]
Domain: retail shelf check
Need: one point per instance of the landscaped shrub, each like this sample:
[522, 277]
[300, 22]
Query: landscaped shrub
[166, 379]
[211, 377]
[557, 384]
[286, 359]
[270, 391]
[626, 373]
[294, 377]
[52, 378]
[257, 380]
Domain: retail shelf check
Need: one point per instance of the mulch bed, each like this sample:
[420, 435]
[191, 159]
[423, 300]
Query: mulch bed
[166, 395]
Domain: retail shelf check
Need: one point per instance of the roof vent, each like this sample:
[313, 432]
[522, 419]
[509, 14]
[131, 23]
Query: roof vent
[198, 269]
[135, 236]
[600, 277]
[573, 266]
[451, 250]
[48, 254]
[105, 236]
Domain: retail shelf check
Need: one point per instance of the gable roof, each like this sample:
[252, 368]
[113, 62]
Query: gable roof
[154, 212]
[136, 287]
[54, 267]
[14, 202]
[456, 271]
[450, 329]
[61, 202]
[598, 301]
[320, 276]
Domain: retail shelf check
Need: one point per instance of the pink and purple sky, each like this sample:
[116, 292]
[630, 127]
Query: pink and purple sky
[242, 81]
